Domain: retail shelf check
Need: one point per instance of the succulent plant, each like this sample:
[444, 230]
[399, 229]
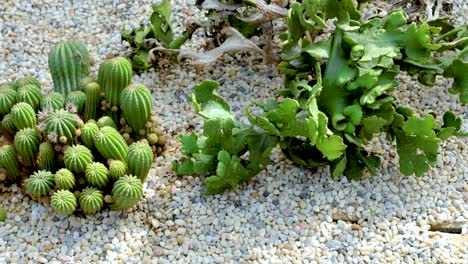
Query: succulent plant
[8, 125]
[106, 121]
[3, 214]
[136, 106]
[26, 80]
[64, 179]
[27, 143]
[93, 96]
[7, 100]
[117, 169]
[77, 158]
[97, 174]
[52, 101]
[91, 200]
[23, 116]
[111, 144]
[69, 62]
[88, 131]
[61, 126]
[9, 162]
[46, 157]
[78, 99]
[139, 159]
[127, 191]
[30, 94]
[40, 183]
[63, 202]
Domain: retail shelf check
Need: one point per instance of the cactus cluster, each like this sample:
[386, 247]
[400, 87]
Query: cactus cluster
[89, 144]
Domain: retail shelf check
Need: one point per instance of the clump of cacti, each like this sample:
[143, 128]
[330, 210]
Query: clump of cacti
[88, 144]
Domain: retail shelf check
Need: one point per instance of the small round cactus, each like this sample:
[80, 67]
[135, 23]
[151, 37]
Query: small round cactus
[7, 100]
[136, 106]
[91, 200]
[52, 101]
[93, 96]
[46, 157]
[88, 131]
[9, 162]
[97, 174]
[8, 125]
[63, 202]
[106, 121]
[61, 124]
[23, 116]
[26, 80]
[111, 144]
[78, 99]
[77, 158]
[26, 142]
[30, 94]
[117, 169]
[139, 159]
[127, 191]
[40, 183]
[64, 179]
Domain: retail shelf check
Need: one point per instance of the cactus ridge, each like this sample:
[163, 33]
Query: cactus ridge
[111, 144]
[53, 101]
[64, 179]
[7, 100]
[30, 94]
[61, 123]
[26, 142]
[139, 159]
[93, 96]
[117, 169]
[126, 192]
[106, 121]
[40, 183]
[97, 174]
[8, 125]
[9, 162]
[63, 202]
[46, 157]
[88, 131]
[91, 200]
[23, 116]
[136, 105]
[77, 158]
[78, 99]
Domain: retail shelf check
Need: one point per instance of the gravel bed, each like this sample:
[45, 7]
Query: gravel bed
[286, 214]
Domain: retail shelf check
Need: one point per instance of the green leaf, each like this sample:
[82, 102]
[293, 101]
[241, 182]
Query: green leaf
[190, 145]
[451, 120]
[208, 103]
[161, 22]
[332, 147]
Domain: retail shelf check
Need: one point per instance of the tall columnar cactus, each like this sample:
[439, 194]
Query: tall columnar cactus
[9, 162]
[91, 200]
[27, 144]
[69, 62]
[88, 131]
[77, 158]
[106, 121]
[93, 98]
[60, 126]
[52, 101]
[30, 94]
[136, 106]
[111, 144]
[127, 191]
[97, 174]
[117, 169]
[40, 183]
[63, 202]
[23, 116]
[64, 179]
[139, 159]
[78, 99]
[7, 100]
[46, 157]
[114, 75]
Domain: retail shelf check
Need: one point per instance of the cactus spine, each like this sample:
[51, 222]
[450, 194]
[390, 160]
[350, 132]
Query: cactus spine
[78, 99]
[61, 124]
[40, 183]
[136, 106]
[8, 161]
[77, 158]
[97, 174]
[7, 100]
[30, 94]
[111, 144]
[27, 143]
[127, 191]
[139, 159]
[46, 157]
[64, 179]
[63, 202]
[91, 200]
[69, 62]
[52, 101]
[23, 116]
[93, 96]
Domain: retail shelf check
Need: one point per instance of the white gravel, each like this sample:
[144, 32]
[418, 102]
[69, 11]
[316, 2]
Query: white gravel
[285, 214]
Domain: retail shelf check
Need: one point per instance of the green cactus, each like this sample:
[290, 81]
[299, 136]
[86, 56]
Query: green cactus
[27, 80]
[136, 106]
[60, 126]
[46, 157]
[8, 125]
[40, 183]
[63, 202]
[114, 75]
[7, 100]
[93, 98]
[97, 174]
[139, 159]
[30, 94]
[23, 116]
[3, 215]
[127, 191]
[77, 158]
[9, 85]
[69, 62]
[9, 162]
[106, 121]
[91, 200]
[78, 99]
[64, 179]
[52, 101]
[111, 144]
[88, 131]
[27, 143]
[117, 169]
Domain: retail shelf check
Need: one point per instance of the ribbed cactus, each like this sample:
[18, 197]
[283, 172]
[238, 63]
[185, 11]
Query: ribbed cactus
[91, 200]
[7, 100]
[9, 162]
[64, 179]
[111, 144]
[106, 121]
[93, 98]
[136, 106]
[78, 99]
[26, 80]
[46, 157]
[139, 159]
[23, 116]
[97, 174]
[52, 101]
[117, 169]
[27, 145]
[88, 131]
[114, 75]
[69, 62]
[8, 125]
[61, 126]
[40, 183]
[127, 191]
[77, 158]
[63, 202]
[30, 94]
